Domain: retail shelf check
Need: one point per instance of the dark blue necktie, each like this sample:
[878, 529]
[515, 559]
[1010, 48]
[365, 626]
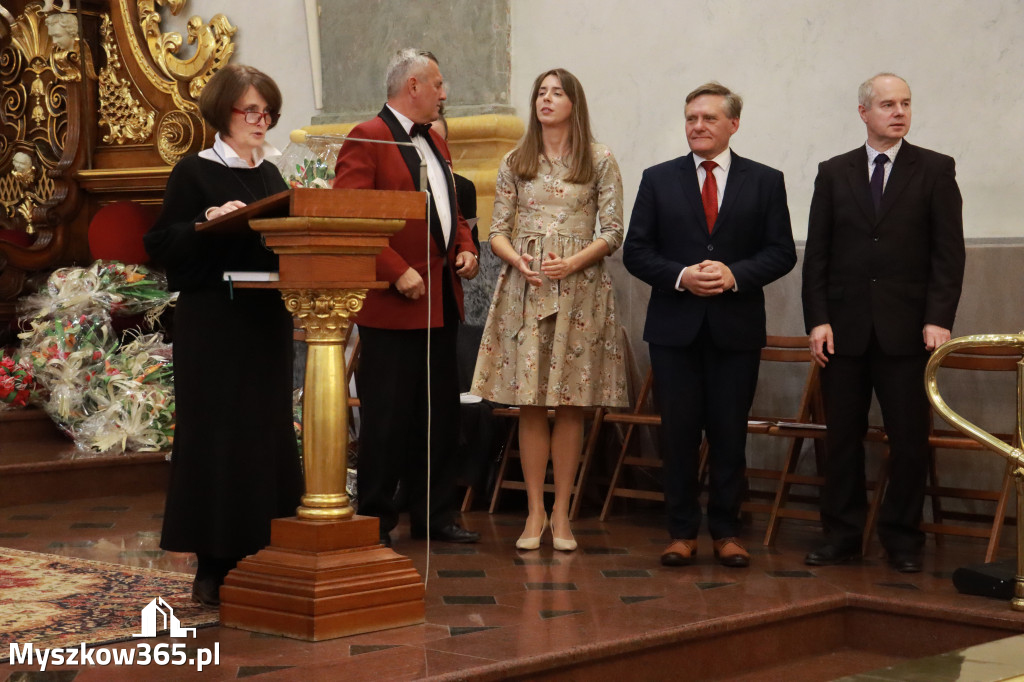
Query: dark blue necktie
[878, 179]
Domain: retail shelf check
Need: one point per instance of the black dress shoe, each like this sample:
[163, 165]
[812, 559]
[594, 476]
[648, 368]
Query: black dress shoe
[905, 562]
[453, 532]
[830, 555]
[385, 539]
[206, 591]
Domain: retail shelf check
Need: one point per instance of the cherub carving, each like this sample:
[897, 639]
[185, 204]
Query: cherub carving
[63, 30]
[24, 173]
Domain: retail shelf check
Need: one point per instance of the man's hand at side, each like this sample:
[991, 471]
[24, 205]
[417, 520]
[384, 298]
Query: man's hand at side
[410, 284]
[466, 265]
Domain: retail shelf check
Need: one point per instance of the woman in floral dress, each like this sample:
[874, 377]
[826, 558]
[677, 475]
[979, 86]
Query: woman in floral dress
[552, 338]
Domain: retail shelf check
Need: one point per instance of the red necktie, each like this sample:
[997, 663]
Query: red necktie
[709, 193]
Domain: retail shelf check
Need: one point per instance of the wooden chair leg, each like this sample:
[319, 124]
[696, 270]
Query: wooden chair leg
[702, 462]
[584, 465]
[782, 491]
[613, 485]
[501, 468]
[999, 518]
[467, 500]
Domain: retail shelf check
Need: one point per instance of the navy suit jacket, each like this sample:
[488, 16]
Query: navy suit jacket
[668, 231]
[889, 271]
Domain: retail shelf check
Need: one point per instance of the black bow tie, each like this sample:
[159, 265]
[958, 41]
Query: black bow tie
[420, 129]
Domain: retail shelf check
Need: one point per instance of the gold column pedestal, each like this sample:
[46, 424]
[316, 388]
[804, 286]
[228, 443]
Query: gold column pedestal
[325, 315]
[1013, 453]
[325, 573]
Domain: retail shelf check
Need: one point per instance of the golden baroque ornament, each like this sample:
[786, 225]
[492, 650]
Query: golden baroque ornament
[213, 49]
[174, 136]
[325, 314]
[127, 120]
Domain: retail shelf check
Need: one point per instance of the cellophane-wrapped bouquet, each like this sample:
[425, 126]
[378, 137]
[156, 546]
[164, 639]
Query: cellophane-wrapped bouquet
[310, 164]
[110, 286]
[107, 395]
[129, 405]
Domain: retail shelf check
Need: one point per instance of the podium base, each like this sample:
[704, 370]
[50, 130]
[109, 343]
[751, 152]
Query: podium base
[320, 580]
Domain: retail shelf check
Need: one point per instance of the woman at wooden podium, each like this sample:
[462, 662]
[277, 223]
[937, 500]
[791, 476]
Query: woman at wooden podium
[552, 339]
[234, 464]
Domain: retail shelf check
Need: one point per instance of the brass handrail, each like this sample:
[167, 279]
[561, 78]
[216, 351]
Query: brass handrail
[1014, 454]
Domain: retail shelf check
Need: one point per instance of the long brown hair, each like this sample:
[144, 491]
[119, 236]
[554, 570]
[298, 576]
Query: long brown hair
[524, 158]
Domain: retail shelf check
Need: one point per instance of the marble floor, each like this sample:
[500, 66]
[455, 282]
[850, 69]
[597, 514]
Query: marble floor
[608, 610]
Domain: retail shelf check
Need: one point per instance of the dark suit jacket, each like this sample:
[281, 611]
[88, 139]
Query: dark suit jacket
[364, 165]
[668, 231]
[890, 272]
[465, 196]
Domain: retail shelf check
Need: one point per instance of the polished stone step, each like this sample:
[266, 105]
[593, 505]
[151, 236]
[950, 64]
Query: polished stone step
[40, 464]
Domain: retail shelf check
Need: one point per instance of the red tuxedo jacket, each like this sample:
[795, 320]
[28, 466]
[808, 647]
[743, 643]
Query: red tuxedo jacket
[364, 165]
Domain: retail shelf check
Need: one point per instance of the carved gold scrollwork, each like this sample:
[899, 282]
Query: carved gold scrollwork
[24, 188]
[174, 136]
[37, 66]
[325, 315]
[213, 49]
[127, 120]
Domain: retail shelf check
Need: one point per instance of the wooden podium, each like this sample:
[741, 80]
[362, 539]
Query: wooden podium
[325, 573]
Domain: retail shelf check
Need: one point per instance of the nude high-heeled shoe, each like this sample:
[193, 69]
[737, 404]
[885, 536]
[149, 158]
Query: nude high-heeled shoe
[533, 542]
[563, 544]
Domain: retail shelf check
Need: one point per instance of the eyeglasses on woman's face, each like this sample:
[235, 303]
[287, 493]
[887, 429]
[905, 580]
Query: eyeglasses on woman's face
[257, 117]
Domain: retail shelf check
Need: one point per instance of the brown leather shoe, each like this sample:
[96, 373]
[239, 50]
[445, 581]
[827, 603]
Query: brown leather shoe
[731, 553]
[679, 553]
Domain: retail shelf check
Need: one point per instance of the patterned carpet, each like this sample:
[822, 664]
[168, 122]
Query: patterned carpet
[53, 601]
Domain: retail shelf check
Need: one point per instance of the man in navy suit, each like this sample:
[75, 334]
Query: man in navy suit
[883, 269]
[709, 230]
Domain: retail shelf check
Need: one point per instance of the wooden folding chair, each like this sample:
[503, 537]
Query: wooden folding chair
[510, 452]
[643, 414]
[987, 359]
[778, 349]
[807, 423]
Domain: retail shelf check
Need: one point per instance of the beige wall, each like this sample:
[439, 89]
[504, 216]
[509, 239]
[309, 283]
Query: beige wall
[797, 63]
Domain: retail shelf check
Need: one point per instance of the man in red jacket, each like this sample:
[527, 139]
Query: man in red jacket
[424, 263]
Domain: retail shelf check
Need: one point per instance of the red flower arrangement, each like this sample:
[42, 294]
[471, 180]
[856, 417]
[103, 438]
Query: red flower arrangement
[18, 385]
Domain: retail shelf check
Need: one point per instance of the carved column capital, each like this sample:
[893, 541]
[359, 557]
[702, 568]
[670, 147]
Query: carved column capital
[325, 314]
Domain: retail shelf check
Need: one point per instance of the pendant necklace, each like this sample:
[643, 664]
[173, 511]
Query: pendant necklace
[266, 191]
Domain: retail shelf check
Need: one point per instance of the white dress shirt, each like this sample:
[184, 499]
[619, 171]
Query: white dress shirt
[435, 176]
[721, 171]
[890, 153]
[223, 154]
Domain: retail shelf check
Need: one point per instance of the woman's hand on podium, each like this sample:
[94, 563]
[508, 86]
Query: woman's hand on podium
[218, 211]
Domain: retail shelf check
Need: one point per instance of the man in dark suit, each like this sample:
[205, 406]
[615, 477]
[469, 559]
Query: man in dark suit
[394, 326]
[882, 271]
[708, 231]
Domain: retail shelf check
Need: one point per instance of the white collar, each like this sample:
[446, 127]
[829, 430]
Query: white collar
[407, 123]
[723, 160]
[222, 153]
[890, 152]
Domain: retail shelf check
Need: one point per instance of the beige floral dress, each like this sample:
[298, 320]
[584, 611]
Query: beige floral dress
[559, 343]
